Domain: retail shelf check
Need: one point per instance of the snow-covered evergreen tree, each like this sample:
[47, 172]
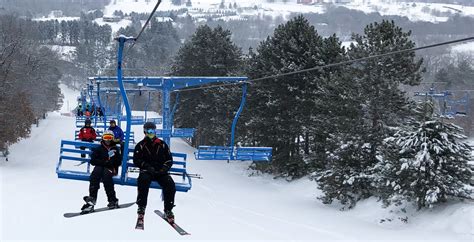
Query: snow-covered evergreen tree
[345, 176]
[279, 109]
[366, 104]
[425, 162]
[380, 78]
[209, 52]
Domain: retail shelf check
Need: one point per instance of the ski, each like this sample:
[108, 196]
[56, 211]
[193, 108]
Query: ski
[71, 215]
[140, 223]
[174, 225]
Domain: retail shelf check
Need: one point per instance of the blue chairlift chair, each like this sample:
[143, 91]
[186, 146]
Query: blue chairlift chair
[231, 152]
[72, 166]
[70, 152]
[450, 107]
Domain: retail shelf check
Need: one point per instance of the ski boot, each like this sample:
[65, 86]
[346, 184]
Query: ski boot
[169, 216]
[140, 222]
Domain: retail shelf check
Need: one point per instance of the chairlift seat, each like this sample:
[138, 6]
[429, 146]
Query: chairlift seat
[70, 151]
[183, 132]
[134, 120]
[155, 120]
[205, 152]
[254, 153]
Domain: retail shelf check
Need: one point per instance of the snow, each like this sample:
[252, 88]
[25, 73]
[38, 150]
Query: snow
[128, 6]
[56, 18]
[65, 52]
[70, 99]
[415, 11]
[114, 25]
[432, 12]
[464, 48]
[201, 9]
[347, 44]
[198, 7]
[226, 205]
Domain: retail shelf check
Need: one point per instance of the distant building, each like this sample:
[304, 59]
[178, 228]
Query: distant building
[164, 19]
[112, 19]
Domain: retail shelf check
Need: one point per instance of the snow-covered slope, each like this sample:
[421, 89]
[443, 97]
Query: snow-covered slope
[466, 48]
[415, 11]
[278, 7]
[226, 205]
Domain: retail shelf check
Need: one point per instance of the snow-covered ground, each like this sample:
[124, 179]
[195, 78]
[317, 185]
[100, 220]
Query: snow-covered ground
[415, 11]
[65, 52]
[114, 25]
[466, 48]
[432, 12]
[226, 205]
[56, 18]
[278, 7]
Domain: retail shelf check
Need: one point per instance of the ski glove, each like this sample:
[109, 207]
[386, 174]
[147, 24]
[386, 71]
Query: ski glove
[166, 167]
[149, 168]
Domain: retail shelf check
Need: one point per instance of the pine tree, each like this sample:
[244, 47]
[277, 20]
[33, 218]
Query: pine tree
[163, 43]
[285, 104]
[210, 52]
[371, 105]
[380, 78]
[425, 162]
[341, 154]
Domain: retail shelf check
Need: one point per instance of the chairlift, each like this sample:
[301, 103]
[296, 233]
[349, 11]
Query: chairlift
[70, 151]
[232, 152]
[450, 107]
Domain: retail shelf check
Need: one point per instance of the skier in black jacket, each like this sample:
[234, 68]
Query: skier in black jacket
[106, 158]
[154, 159]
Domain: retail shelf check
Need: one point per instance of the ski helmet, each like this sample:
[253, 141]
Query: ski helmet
[108, 135]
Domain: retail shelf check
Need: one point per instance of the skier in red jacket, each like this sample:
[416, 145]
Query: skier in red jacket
[87, 134]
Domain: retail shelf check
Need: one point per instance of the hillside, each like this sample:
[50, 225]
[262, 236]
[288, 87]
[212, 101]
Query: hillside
[415, 11]
[226, 205]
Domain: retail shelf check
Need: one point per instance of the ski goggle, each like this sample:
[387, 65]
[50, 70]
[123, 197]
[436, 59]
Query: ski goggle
[150, 131]
[107, 137]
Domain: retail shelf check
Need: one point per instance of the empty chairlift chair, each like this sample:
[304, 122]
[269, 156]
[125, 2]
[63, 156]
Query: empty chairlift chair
[231, 152]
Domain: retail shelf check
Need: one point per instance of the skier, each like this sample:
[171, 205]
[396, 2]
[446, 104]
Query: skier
[87, 134]
[153, 157]
[88, 114]
[118, 133]
[106, 158]
[79, 110]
